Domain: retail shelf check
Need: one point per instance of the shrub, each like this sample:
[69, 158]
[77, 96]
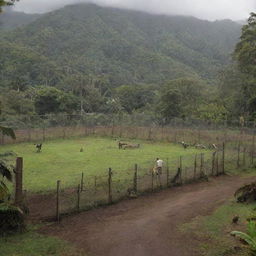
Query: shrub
[11, 219]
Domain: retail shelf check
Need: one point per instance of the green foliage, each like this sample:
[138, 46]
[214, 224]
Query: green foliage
[249, 237]
[11, 219]
[32, 243]
[51, 100]
[180, 98]
[134, 97]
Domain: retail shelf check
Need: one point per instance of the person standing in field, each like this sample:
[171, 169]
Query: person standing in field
[159, 166]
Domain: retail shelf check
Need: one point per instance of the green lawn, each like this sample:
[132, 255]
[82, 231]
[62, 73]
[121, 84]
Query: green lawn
[212, 233]
[34, 244]
[62, 159]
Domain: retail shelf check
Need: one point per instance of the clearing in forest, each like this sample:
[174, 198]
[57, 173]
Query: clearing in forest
[62, 159]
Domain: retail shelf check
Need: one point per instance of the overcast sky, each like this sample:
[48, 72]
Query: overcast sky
[205, 9]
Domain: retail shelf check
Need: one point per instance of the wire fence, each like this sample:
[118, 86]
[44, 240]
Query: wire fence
[232, 148]
[94, 191]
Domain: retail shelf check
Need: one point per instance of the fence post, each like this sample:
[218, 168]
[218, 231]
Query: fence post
[149, 133]
[244, 151]
[82, 182]
[213, 162]
[152, 181]
[78, 197]
[95, 184]
[181, 169]
[223, 158]
[135, 179]
[217, 160]
[18, 181]
[195, 167]
[238, 154]
[167, 173]
[202, 166]
[253, 148]
[58, 202]
[110, 201]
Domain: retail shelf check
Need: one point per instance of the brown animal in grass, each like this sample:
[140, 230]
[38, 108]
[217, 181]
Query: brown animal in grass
[121, 144]
[131, 146]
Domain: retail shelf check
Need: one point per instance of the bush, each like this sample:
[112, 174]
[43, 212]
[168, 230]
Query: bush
[11, 219]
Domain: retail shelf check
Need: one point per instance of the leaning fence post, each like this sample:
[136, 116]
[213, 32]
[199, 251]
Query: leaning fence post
[18, 181]
[110, 201]
[223, 158]
[167, 173]
[78, 197]
[82, 182]
[135, 180]
[58, 202]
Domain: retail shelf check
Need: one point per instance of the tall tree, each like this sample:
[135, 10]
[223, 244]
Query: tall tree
[245, 54]
[5, 3]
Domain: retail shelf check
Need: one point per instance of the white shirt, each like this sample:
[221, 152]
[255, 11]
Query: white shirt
[159, 163]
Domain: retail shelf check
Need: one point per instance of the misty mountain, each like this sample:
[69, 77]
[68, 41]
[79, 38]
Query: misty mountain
[11, 20]
[128, 47]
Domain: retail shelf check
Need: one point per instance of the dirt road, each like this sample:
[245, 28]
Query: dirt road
[148, 225]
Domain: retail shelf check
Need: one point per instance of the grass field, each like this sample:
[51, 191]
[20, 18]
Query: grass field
[33, 244]
[62, 159]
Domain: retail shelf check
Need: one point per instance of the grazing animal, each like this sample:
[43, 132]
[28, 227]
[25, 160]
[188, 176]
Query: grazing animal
[200, 146]
[235, 219]
[131, 193]
[121, 144]
[185, 145]
[81, 150]
[157, 173]
[38, 147]
[131, 146]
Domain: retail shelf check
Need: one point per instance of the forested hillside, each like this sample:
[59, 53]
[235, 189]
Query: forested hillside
[112, 60]
[11, 20]
[130, 46]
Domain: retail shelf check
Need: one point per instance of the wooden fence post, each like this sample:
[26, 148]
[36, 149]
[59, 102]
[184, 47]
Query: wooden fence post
[223, 158]
[135, 179]
[202, 166]
[244, 153]
[82, 182]
[149, 133]
[167, 173]
[253, 148]
[181, 170]
[195, 167]
[110, 200]
[217, 166]
[78, 197]
[152, 181]
[213, 162]
[58, 201]
[95, 184]
[238, 154]
[18, 181]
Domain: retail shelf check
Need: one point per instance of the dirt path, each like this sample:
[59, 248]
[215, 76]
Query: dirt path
[148, 225]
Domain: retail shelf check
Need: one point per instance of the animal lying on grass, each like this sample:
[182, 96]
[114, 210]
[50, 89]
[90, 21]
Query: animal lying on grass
[131, 146]
[121, 144]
